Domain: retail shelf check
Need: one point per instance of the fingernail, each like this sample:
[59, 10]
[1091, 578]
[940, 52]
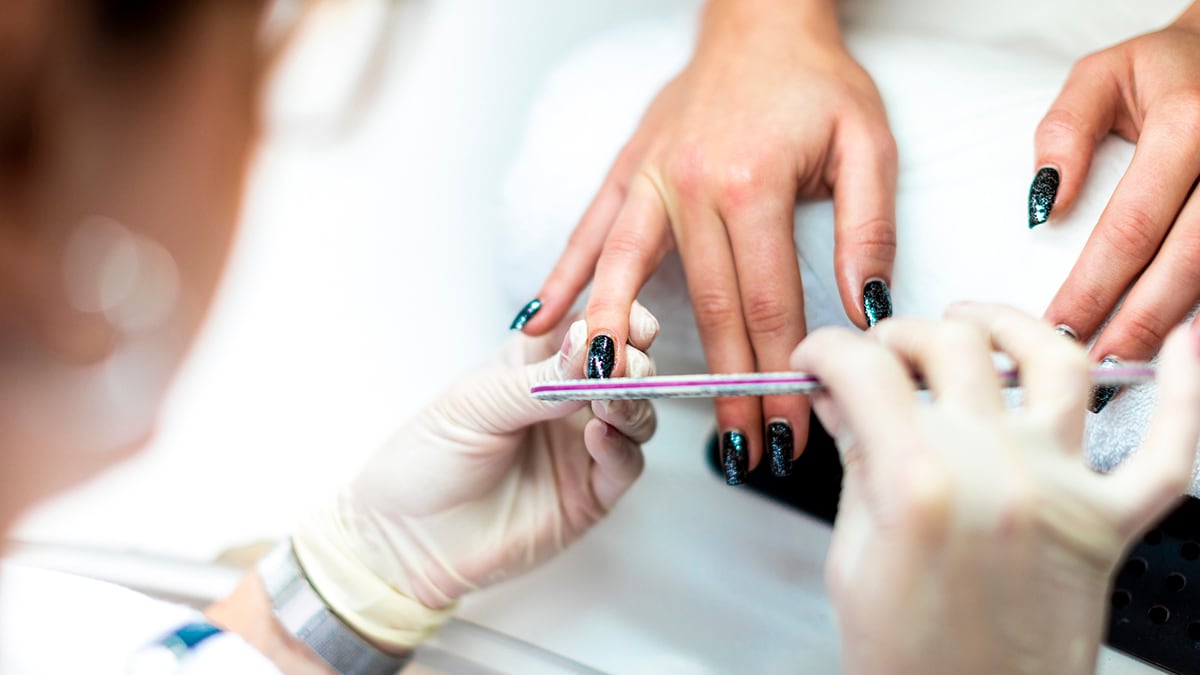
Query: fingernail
[1041, 195]
[1065, 331]
[734, 457]
[779, 438]
[877, 301]
[601, 355]
[1101, 395]
[527, 312]
[1195, 335]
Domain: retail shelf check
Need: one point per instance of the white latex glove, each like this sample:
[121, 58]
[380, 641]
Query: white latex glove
[483, 485]
[971, 537]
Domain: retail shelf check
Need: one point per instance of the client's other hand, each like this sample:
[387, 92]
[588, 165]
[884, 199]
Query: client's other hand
[972, 537]
[1146, 90]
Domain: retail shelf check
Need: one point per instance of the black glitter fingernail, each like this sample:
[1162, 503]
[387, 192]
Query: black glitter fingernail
[779, 438]
[1041, 195]
[877, 301]
[527, 312]
[601, 355]
[734, 457]
[1101, 395]
[1065, 331]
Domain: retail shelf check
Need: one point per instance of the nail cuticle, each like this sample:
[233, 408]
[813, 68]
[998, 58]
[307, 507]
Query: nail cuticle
[1042, 193]
[602, 355]
[735, 457]
[1066, 331]
[527, 312]
[877, 301]
[782, 445]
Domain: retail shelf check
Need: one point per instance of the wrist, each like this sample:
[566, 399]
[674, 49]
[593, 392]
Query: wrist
[1189, 19]
[247, 611]
[794, 23]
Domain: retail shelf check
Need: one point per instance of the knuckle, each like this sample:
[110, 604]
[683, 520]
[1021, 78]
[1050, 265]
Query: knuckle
[766, 315]
[627, 243]
[926, 499]
[1090, 65]
[953, 334]
[739, 184]
[873, 239]
[1060, 124]
[1132, 230]
[716, 307]
[1015, 509]
[1142, 330]
[687, 172]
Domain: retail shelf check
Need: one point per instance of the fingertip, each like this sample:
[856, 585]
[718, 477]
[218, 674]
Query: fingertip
[1043, 194]
[540, 315]
[619, 460]
[638, 363]
[864, 262]
[643, 326]
[609, 331]
[603, 359]
[570, 354]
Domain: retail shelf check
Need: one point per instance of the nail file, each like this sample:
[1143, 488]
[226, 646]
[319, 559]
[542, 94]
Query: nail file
[704, 385]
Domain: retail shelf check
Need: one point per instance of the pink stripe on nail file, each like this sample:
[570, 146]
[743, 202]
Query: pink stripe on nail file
[702, 385]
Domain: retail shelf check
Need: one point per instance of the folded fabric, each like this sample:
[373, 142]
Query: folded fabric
[965, 85]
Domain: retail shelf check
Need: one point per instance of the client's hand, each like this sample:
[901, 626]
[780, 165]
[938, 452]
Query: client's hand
[1146, 90]
[483, 485]
[972, 538]
[771, 108]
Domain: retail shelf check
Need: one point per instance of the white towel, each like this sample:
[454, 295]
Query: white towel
[965, 85]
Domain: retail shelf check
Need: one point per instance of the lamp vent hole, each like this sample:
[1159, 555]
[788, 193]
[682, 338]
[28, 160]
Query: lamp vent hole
[1175, 582]
[1159, 614]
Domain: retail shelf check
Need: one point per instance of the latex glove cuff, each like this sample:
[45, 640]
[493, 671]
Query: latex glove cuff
[375, 609]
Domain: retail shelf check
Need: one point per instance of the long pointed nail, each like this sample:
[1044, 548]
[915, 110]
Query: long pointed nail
[1042, 192]
[1101, 395]
[877, 301]
[735, 457]
[602, 353]
[527, 312]
[779, 438]
[1065, 331]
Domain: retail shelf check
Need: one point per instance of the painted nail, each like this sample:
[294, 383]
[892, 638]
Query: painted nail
[877, 301]
[1065, 331]
[734, 457]
[1041, 195]
[527, 312]
[779, 438]
[601, 355]
[1101, 395]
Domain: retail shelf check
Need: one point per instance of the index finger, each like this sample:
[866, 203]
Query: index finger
[1131, 229]
[864, 232]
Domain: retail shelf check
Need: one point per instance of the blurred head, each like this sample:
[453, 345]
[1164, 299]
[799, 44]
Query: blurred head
[125, 131]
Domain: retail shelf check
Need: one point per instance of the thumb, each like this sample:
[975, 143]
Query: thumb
[499, 402]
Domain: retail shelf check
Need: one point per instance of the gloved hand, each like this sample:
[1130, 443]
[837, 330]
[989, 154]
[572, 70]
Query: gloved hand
[974, 538]
[483, 485]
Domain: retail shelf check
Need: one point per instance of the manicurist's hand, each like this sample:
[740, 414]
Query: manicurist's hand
[972, 538]
[1146, 90]
[483, 485]
[770, 109]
